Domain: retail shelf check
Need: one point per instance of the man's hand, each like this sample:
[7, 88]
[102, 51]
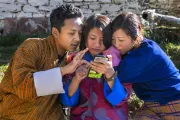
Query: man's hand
[75, 63]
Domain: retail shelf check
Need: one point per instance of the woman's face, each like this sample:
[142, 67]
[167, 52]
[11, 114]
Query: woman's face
[122, 42]
[95, 41]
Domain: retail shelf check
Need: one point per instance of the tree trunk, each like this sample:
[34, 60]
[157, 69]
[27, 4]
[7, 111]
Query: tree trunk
[160, 19]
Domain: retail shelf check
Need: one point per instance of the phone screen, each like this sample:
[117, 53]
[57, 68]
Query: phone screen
[94, 74]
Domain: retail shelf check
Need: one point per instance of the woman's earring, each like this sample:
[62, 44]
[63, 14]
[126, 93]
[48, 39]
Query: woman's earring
[134, 44]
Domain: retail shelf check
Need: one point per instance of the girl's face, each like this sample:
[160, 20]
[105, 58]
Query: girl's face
[95, 41]
[122, 41]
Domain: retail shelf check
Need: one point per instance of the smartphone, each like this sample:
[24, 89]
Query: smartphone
[94, 74]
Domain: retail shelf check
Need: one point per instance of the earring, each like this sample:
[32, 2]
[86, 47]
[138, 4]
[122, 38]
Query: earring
[134, 44]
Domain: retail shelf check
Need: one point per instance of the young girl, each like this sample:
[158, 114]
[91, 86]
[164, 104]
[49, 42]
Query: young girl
[96, 98]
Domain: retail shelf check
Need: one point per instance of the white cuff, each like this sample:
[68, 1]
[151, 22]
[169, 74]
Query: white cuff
[48, 82]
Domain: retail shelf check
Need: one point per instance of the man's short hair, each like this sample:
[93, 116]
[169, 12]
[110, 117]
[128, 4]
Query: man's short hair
[63, 12]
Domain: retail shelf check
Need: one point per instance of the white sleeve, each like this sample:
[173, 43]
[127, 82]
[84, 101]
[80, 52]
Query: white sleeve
[48, 82]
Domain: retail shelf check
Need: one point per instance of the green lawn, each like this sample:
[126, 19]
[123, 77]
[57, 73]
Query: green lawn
[5, 55]
[2, 69]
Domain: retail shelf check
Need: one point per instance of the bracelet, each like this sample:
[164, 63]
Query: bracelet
[112, 77]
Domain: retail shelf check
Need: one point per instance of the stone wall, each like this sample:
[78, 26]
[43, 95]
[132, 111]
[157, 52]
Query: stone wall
[42, 8]
[29, 9]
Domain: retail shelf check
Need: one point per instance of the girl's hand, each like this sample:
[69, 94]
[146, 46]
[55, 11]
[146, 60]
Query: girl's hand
[81, 72]
[104, 67]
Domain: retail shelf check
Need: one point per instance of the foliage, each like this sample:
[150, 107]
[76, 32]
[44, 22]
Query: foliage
[17, 39]
[2, 70]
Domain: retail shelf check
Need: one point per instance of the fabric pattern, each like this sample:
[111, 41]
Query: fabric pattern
[18, 99]
[155, 111]
[93, 104]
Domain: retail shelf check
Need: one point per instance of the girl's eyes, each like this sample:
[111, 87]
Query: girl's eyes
[121, 40]
[92, 38]
[118, 40]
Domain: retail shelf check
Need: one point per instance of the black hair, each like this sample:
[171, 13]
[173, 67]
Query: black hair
[129, 23]
[62, 13]
[97, 21]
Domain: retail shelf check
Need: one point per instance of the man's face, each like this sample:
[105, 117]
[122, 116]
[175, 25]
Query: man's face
[68, 38]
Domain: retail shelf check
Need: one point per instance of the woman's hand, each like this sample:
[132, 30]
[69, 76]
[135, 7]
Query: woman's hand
[75, 63]
[81, 72]
[104, 67]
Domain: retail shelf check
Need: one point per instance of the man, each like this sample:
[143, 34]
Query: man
[33, 79]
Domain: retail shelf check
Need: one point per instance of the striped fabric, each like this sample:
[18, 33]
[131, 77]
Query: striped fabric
[153, 111]
[18, 99]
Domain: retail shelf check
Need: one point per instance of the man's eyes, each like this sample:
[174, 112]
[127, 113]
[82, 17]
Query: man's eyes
[72, 33]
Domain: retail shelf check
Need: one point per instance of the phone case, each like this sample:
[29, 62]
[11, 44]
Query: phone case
[94, 74]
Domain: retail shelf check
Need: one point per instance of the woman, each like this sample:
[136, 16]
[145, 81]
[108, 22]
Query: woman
[99, 99]
[154, 77]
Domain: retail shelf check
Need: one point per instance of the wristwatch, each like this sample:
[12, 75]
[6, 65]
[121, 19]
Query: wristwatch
[113, 77]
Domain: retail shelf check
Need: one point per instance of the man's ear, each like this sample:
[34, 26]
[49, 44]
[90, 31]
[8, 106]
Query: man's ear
[55, 32]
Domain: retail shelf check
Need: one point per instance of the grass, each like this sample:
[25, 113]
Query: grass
[17, 39]
[173, 50]
[134, 103]
[2, 70]
[6, 53]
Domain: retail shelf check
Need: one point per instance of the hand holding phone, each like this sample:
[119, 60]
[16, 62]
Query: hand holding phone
[93, 73]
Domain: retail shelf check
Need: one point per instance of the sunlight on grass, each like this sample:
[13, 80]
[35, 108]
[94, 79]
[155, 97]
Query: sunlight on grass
[2, 70]
[173, 51]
